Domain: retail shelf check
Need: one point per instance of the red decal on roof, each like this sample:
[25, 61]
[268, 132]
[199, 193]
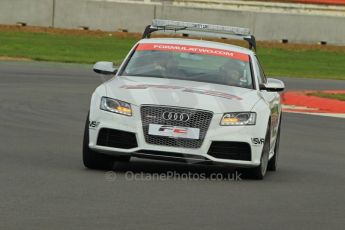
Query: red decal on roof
[194, 49]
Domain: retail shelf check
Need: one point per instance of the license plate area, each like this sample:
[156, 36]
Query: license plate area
[174, 131]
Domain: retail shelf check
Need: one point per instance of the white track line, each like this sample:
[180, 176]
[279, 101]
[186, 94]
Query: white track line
[289, 108]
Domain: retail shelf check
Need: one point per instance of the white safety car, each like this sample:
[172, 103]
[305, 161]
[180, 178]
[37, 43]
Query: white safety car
[186, 100]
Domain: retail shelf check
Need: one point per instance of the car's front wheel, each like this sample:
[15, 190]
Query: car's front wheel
[259, 172]
[273, 163]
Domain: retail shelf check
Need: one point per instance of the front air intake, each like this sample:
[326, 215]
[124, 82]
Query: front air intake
[116, 139]
[230, 150]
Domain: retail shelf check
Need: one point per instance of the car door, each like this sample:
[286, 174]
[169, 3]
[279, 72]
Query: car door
[272, 99]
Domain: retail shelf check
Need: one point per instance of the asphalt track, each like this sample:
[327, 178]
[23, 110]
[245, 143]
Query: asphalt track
[45, 186]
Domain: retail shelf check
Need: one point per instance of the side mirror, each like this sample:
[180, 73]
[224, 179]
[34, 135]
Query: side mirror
[273, 85]
[104, 67]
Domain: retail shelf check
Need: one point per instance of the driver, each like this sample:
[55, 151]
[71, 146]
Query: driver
[166, 64]
[232, 73]
[160, 61]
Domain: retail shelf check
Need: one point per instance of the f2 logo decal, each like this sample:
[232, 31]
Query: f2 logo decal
[258, 141]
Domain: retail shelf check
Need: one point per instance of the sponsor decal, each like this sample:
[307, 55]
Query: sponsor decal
[146, 86]
[258, 141]
[93, 124]
[212, 93]
[193, 49]
[174, 131]
[180, 130]
[150, 116]
[183, 89]
[170, 128]
[165, 128]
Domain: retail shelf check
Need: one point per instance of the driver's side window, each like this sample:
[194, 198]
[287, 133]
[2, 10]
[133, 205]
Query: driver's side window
[261, 77]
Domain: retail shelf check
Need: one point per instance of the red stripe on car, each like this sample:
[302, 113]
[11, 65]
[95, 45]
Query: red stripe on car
[194, 49]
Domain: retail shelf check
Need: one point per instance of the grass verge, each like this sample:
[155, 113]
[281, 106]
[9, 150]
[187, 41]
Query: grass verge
[339, 96]
[43, 44]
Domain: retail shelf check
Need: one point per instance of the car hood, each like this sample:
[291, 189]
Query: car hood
[181, 93]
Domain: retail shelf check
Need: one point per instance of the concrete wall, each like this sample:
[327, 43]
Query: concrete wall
[33, 12]
[298, 28]
[265, 26]
[103, 15]
[134, 16]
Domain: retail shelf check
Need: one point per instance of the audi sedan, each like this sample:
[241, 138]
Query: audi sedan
[185, 100]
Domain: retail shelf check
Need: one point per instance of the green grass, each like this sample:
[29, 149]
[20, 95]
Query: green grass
[64, 48]
[339, 96]
[307, 64]
[89, 49]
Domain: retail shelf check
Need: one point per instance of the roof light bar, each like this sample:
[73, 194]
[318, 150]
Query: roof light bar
[178, 25]
[201, 29]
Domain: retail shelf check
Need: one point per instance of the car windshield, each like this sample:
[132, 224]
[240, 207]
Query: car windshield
[192, 63]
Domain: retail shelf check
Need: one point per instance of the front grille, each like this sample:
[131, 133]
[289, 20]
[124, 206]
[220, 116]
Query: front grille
[230, 150]
[198, 119]
[116, 139]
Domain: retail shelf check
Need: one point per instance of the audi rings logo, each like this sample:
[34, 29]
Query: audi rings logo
[173, 116]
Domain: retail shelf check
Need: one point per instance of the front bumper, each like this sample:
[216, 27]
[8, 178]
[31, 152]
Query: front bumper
[215, 133]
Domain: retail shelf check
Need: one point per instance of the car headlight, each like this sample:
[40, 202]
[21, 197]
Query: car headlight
[116, 106]
[238, 118]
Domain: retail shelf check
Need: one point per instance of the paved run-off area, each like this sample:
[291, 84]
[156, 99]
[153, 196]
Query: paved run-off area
[45, 186]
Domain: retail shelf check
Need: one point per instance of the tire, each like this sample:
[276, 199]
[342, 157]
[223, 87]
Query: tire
[259, 172]
[92, 159]
[273, 163]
